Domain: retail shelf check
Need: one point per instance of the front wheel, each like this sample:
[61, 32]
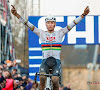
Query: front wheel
[47, 89]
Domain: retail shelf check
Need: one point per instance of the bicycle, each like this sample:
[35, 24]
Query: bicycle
[48, 82]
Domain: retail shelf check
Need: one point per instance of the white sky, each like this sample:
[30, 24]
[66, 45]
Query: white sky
[68, 7]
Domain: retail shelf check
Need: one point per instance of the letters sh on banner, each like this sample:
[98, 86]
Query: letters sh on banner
[86, 32]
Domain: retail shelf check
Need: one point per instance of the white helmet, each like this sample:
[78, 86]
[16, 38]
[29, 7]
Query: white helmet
[50, 18]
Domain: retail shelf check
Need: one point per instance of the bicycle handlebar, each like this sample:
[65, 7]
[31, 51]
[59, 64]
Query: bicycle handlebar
[48, 75]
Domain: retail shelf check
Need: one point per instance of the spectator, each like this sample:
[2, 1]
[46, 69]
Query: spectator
[19, 83]
[16, 84]
[19, 75]
[7, 74]
[61, 87]
[9, 80]
[9, 84]
[35, 85]
[16, 75]
[67, 87]
[2, 83]
[24, 76]
[9, 64]
[14, 71]
[29, 84]
[23, 86]
[20, 80]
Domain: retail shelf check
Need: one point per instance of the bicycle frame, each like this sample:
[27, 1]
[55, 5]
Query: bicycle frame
[49, 84]
[49, 81]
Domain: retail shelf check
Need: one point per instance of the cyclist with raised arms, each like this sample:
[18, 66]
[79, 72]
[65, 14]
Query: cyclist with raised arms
[51, 45]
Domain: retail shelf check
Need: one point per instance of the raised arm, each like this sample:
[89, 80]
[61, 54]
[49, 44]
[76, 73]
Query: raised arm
[25, 22]
[77, 20]
[74, 22]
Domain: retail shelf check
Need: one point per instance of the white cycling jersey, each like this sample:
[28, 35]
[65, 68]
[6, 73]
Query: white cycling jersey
[51, 42]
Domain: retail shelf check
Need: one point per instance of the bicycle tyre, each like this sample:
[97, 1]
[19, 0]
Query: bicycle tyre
[47, 89]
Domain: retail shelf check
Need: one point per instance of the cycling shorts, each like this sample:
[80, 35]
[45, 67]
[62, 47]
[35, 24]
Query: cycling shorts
[50, 63]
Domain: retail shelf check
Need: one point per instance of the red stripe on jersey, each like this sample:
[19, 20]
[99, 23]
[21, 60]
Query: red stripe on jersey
[51, 45]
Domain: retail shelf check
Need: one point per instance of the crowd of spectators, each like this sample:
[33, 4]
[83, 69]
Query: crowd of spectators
[11, 79]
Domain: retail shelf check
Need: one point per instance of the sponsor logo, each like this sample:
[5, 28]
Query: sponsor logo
[50, 38]
[93, 82]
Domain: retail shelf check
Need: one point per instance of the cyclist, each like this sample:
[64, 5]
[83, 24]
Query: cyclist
[51, 45]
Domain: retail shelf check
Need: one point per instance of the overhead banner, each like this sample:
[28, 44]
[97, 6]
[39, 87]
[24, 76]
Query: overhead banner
[86, 32]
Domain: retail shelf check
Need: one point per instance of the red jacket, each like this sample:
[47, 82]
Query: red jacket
[9, 84]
